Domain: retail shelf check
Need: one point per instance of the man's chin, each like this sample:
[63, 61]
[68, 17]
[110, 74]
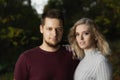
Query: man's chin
[54, 45]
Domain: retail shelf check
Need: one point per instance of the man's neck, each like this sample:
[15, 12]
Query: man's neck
[49, 48]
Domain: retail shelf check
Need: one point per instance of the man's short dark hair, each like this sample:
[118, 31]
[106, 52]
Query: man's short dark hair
[52, 13]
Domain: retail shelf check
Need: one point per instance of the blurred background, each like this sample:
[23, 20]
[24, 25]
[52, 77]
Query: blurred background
[20, 20]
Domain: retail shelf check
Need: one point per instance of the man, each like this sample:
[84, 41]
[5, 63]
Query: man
[49, 61]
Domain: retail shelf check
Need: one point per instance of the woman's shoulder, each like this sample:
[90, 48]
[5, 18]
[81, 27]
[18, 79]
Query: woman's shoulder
[100, 57]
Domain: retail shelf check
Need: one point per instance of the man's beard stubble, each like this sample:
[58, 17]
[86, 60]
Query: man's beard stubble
[52, 45]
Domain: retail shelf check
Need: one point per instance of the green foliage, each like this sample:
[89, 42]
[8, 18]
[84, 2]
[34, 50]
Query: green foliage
[19, 27]
[104, 12]
[114, 58]
[7, 76]
[19, 31]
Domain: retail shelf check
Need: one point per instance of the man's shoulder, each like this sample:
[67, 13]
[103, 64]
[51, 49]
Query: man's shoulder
[30, 51]
[66, 50]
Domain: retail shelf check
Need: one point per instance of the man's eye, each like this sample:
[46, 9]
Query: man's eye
[59, 29]
[49, 29]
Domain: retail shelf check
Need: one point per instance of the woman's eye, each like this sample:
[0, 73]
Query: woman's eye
[86, 33]
[76, 34]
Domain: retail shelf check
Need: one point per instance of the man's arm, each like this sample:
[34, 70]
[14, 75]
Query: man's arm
[21, 71]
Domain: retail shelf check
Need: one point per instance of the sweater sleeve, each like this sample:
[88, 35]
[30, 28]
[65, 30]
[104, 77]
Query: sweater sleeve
[104, 71]
[21, 72]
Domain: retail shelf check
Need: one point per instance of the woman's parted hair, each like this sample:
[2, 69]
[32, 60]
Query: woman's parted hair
[101, 43]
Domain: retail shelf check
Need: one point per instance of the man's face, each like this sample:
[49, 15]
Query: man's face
[52, 31]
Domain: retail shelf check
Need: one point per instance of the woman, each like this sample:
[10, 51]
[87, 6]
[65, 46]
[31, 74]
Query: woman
[90, 46]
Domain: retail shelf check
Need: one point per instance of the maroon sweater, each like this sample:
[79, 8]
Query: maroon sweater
[37, 64]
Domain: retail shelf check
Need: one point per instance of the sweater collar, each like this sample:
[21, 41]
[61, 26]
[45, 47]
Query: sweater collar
[90, 52]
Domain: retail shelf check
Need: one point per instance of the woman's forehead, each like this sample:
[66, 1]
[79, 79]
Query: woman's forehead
[82, 27]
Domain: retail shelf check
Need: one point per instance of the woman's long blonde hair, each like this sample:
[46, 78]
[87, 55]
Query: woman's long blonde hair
[101, 43]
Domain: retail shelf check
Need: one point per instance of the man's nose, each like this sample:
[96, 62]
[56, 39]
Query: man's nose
[54, 32]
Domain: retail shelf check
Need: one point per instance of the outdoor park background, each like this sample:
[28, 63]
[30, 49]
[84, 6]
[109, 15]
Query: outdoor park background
[19, 27]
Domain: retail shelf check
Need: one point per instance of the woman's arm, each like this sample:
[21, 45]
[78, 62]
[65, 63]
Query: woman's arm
[104, 71]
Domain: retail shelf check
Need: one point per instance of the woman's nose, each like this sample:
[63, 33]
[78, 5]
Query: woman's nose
[81, 37]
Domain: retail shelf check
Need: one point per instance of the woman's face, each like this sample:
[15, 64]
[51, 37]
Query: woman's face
[84, 37]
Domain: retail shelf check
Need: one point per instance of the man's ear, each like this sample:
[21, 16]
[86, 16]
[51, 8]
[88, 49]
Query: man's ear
[41, 29]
